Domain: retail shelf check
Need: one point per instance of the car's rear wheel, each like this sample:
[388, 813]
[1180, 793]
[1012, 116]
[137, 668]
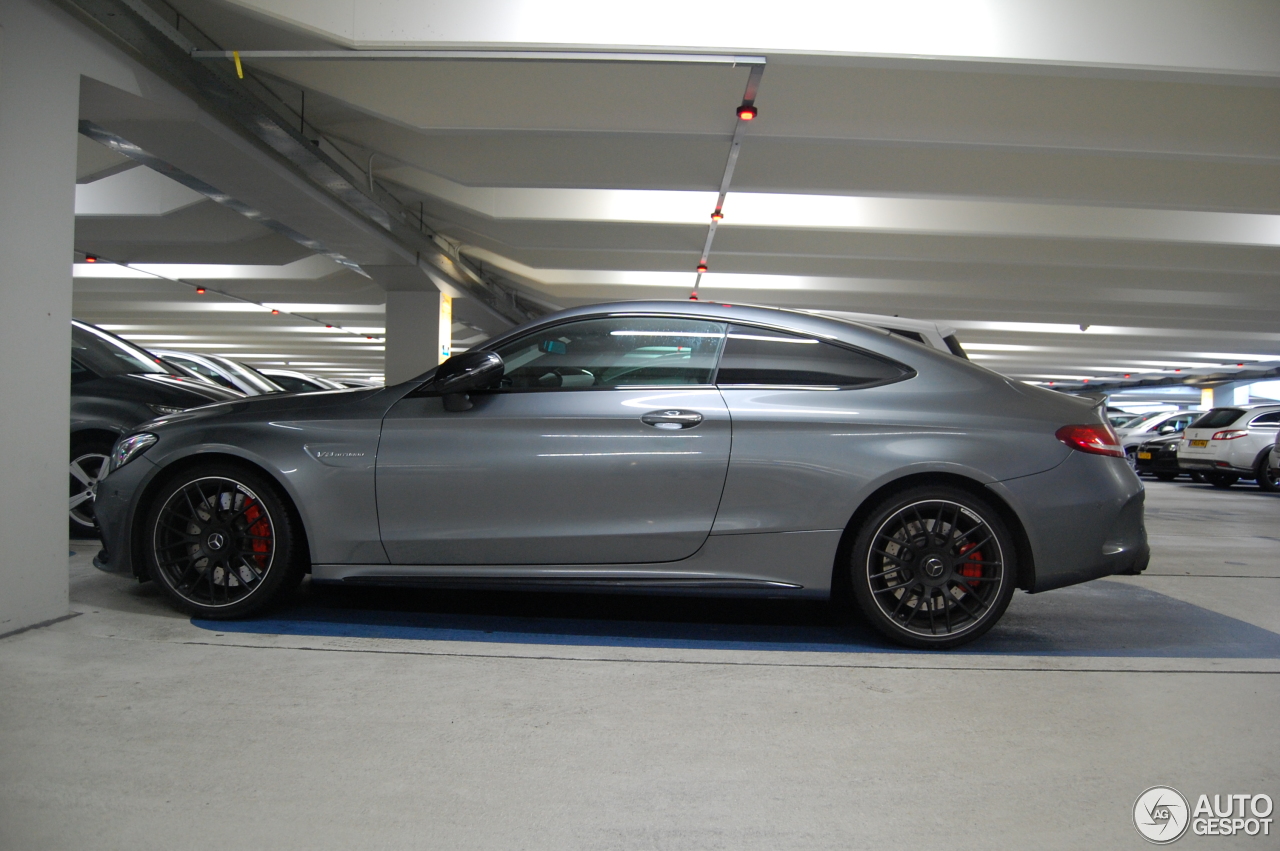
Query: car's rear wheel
[88, 465]
[1221, 480]
[221, 542]
[933, 567]
[1166, 477]
[1268, 479]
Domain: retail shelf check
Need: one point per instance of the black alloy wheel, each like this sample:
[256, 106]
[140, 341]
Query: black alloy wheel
[1268, 479]
[1221, 480]
[934, 567]
[221, 542]
[88, 466]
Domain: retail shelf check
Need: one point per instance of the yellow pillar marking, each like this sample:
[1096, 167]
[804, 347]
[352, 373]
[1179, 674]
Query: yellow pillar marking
[235, 54]
[446, 326]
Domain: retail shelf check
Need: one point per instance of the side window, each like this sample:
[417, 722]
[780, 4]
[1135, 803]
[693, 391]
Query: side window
[617, 351]
[753, 356]
[1271, 420]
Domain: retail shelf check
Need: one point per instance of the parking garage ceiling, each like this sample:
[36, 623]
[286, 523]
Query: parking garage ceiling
[1078, 207]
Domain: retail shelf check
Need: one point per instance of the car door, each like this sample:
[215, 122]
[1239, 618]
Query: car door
[606, 443]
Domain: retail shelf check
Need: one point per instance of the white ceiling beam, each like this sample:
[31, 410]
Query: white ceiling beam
[1217, 36]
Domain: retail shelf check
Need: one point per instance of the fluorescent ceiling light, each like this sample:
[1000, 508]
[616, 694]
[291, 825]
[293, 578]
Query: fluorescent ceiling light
[850, 212]
[308, 268]
[1000, 347]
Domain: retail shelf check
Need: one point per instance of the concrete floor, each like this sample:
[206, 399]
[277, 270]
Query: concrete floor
[383, 719]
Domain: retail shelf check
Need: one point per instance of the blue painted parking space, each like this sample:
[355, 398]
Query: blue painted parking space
[1101, 618]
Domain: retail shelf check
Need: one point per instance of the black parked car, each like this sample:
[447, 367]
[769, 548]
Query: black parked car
[115, 386]
[1159, 457]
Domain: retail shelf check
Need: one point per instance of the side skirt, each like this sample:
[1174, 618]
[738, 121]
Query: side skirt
[775, 563]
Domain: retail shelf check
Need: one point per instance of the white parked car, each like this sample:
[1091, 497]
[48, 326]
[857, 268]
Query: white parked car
[932, 334]
[1153, 425]
[1228, 444]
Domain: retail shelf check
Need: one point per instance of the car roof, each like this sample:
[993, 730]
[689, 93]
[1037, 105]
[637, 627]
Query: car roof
[721, 311]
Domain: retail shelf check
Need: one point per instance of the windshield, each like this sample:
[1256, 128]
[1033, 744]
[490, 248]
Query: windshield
[107, 355]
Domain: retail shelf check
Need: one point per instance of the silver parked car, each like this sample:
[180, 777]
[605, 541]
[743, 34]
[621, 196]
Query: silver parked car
[298, 382]
[647, 446]
[222, 370]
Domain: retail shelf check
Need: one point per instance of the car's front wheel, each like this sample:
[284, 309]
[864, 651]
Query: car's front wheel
[933, 567]
[221, 542]
[88, 465]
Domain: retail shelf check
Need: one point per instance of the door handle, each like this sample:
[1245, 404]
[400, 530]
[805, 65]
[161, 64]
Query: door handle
[671, 420]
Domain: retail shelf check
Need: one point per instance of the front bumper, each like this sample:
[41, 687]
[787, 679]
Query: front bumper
[1159, 462]
[117, 497]
[1083, 519]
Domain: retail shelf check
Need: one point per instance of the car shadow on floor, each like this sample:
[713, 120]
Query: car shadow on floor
[1099, 618]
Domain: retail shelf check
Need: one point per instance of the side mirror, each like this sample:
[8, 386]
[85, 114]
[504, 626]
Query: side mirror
[1167, 429]
[463, 373]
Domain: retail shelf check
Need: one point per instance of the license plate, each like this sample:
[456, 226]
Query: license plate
[1144, 456]
[1199, 444]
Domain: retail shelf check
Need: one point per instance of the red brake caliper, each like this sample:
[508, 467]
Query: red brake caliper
[258, 526]
[968, 568]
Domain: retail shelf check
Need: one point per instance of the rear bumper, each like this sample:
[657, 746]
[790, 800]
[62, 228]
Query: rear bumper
[1083, 519]
[1207, 466]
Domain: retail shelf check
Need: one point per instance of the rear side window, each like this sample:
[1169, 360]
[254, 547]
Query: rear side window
[1218, 418]
[754, 356]
[1270, 420]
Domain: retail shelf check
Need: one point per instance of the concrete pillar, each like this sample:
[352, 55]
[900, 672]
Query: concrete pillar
[39, 106]
[1235, 393]
[418, 333]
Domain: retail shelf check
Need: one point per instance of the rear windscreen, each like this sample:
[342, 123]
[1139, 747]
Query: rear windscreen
[910, 335]
[1217, 418]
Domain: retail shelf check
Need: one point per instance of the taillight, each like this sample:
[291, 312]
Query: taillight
[1094, 438]
[1230, 434]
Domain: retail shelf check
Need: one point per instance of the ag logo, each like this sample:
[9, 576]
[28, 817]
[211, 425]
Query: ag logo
[1161, 814]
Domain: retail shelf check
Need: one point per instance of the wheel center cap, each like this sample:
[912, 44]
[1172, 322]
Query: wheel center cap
[933, 567]
[216, 541]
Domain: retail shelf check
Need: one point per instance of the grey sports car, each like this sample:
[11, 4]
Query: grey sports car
[677, 447]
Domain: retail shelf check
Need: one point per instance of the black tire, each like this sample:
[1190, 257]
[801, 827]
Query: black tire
[1198, 478]
[912, 534]
[1166, 477]
[1221, 480]
[221, 541]
[88, 464]
[1267, 478]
